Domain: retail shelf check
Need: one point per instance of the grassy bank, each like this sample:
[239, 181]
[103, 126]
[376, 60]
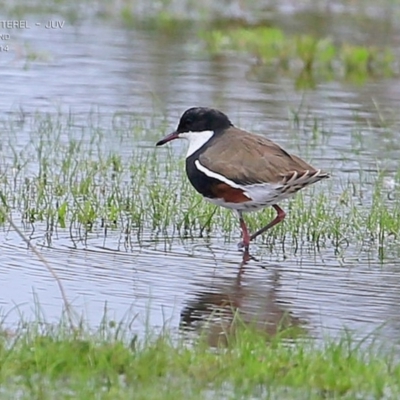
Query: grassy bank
[304, 56]
[43, 362]
[58, 173]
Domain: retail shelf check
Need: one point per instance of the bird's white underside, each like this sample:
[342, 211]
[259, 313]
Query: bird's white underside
[196, 140]
[260, 195]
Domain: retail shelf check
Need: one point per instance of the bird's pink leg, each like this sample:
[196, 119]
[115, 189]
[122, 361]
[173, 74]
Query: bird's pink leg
[245, 233]
[279, 218]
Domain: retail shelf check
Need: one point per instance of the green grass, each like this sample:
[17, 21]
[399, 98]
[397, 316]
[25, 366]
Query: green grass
[305, 56]
[40, 361]
[95, 175]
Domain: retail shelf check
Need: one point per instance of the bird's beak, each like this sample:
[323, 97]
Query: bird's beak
[172, 136]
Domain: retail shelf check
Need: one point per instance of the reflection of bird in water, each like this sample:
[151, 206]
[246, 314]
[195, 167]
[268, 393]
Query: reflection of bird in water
[222, 307]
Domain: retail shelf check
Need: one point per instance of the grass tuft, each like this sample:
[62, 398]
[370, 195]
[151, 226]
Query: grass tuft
[303, 55]
[55, 361]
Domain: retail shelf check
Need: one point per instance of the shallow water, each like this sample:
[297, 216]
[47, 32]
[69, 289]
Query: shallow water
[97, 65]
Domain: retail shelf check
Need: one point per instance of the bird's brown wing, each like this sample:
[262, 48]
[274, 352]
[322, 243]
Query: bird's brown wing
[247, 159]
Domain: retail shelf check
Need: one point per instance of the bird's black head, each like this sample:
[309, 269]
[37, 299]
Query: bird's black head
[198, 119]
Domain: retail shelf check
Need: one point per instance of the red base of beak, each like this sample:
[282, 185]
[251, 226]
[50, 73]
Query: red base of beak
[168, 138]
